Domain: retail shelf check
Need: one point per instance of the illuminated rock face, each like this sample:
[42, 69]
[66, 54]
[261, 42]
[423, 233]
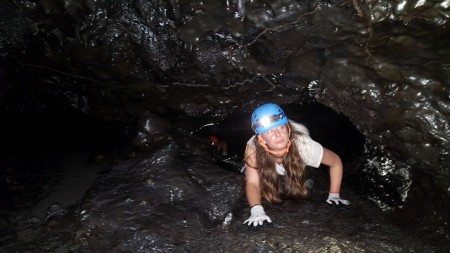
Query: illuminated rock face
[384, 65]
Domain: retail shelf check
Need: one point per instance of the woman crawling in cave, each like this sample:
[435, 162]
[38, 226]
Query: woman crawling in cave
[276, 157]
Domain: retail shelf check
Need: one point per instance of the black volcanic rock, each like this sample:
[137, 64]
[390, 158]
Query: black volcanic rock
[383, 65]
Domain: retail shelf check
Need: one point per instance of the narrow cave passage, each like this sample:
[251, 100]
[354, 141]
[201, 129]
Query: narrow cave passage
[333, 130]
[67, 132]
[33, 142]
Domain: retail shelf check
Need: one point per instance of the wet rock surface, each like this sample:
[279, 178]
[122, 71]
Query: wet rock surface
[173, 198]
[162, 202]
[382, 64]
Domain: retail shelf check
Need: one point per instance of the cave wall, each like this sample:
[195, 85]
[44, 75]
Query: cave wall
[383, 64]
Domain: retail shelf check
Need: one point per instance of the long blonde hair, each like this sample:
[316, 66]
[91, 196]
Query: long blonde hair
[274, 187]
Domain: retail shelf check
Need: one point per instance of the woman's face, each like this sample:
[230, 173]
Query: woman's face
[277, 138]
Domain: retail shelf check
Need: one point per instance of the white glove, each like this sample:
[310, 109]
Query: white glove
[335, 199]
[257, 217]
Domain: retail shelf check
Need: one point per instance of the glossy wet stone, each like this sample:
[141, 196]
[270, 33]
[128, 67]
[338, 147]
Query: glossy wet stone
[383, 65]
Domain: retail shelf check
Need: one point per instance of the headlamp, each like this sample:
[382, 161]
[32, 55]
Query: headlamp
[267, 121]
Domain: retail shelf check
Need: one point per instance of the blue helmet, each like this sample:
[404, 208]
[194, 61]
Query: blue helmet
[268, 116]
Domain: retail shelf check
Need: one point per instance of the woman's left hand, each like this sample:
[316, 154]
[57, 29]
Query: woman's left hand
[335, 199]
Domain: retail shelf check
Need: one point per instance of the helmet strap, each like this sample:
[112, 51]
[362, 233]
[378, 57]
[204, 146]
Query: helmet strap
[279, 152]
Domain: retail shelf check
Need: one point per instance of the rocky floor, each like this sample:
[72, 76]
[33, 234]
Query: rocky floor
[171, 200]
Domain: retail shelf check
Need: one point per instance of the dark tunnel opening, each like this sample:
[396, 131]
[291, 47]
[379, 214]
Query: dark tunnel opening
[32, 173]
[32, 139]
[32, 133]
[333, 130]
[34, 143]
